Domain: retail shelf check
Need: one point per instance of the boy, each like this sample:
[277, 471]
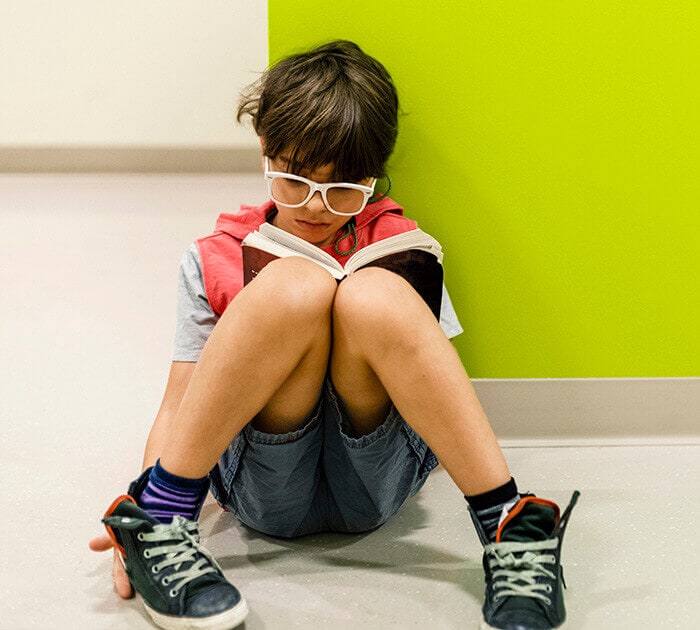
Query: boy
[311, 405]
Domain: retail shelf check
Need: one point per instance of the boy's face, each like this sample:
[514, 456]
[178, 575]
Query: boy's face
[312, 222]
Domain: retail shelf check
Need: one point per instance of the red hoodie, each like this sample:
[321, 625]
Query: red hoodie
[222, 264]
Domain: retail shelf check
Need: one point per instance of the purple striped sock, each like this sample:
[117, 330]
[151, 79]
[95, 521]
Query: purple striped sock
[166, 495]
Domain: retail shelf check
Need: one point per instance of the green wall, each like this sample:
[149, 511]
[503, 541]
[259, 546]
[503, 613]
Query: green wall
[553, 148]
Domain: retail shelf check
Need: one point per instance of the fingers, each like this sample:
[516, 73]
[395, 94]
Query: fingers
[122, 586]
[101, 543]
[121, 580]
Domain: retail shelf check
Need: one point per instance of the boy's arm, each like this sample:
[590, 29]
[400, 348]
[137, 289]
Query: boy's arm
[178, 380]
[195, 321]
[180, 373]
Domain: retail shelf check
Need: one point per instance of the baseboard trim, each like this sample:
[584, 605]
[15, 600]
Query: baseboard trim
[602, 442]
[595, 411]
[85, 159]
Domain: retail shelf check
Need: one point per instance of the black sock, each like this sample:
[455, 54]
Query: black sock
[488, 506]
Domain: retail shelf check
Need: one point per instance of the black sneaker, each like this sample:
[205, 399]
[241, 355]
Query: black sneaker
[181, 584]
[524, 578]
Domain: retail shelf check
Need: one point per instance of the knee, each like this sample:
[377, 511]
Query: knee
[297, 287]
[373, 299]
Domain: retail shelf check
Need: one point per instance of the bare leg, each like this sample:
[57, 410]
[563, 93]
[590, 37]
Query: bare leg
[406, 358]
[266, 359]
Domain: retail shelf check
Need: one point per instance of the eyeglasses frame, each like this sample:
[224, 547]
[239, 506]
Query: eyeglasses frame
[368, 191]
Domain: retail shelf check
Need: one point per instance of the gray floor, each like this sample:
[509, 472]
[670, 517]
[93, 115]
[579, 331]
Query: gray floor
[630, 553]
[85, 331]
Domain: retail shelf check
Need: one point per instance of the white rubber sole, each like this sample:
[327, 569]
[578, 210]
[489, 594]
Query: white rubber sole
[223, 621]
[485, 626]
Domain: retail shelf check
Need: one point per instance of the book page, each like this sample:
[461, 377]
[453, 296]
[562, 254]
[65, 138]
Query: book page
[299, 245]
[258, 241]
[412, 240]
[414, 255]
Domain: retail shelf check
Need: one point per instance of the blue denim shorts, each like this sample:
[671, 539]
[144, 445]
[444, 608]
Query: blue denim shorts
[319, 479]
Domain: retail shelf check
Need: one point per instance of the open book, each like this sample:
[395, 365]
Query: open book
[414, 255]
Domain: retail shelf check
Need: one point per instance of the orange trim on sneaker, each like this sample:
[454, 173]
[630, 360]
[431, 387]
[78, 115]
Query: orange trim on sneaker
[518, 507]
[110, 509]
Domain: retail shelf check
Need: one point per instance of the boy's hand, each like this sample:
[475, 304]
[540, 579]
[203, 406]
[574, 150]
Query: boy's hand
[121, 581]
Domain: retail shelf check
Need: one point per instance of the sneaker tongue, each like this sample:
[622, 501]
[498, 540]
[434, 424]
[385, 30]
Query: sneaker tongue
[130, 510]
[533, 522]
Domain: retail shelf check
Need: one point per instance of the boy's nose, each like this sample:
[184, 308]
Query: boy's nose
[315, 204]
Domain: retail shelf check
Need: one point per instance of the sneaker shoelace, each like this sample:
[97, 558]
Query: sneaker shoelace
[518, 569]
[183, 551]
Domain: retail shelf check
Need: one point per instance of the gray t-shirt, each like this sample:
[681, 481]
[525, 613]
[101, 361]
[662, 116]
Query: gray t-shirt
[196, 319]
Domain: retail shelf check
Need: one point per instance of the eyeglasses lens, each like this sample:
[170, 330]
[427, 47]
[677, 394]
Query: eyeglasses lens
[345, 199]
[294, 192]
[289, 191]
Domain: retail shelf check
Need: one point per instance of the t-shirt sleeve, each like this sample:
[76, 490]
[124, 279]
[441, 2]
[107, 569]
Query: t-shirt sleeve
[448, 318]
[195, 317]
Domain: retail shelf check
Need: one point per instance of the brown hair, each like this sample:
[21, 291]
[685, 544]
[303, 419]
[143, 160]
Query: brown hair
[332, 105]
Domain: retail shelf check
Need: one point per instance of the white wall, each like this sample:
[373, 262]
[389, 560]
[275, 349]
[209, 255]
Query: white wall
[87, 310]
[136, 73]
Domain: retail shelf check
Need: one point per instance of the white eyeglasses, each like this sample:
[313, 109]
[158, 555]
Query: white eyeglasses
[294, 191]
